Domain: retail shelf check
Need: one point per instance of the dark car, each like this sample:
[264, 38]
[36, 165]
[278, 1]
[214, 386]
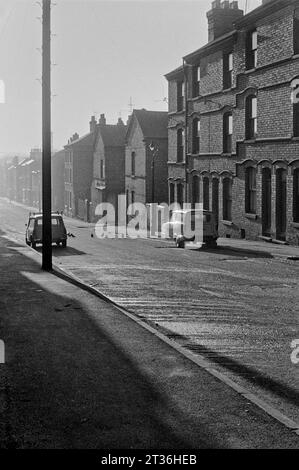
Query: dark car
[34, 230]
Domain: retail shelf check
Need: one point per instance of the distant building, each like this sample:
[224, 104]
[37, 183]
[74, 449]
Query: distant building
[108, 163]
[233, 128]
[79, 172]
[146, 157]
[24, 179]
[58, 175]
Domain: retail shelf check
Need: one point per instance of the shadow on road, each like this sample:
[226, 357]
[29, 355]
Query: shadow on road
[60, 251]
[289, 394]
[223, 251]
[68, 384]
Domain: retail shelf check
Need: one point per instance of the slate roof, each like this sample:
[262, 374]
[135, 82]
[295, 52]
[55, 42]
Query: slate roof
[86, 139]
[153, 123]
[113, 135]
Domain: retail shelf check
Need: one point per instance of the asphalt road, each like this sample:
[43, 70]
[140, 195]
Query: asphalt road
[238, 310]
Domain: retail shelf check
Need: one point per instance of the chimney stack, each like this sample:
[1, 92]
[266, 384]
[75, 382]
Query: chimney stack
[221, 17]
[92, 124]
[102, 120]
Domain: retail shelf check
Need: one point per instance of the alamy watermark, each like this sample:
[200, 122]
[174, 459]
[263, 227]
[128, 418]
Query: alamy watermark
[295, 91]
[2, 352]
[295, 352]
[139, 220]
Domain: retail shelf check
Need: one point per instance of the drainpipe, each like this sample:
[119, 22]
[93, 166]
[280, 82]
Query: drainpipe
[185, 73]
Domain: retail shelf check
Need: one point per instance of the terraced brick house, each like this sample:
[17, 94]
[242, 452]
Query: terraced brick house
[146, 157]
[108, 164]
[233, 127]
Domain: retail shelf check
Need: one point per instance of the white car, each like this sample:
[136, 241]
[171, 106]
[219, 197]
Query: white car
[184, 222]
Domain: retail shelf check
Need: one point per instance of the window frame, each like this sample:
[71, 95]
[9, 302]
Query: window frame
[228, 70]
[296, 119]
[180, 95]
[227, 132]
[102, 169]
[250, 190]
[251, 115]
[206, 193]
[296, 35]
[196, 76]
[227, 200]
[196, 135]
[296, 195]
[251, 49]
[133, 163]
[180, 145]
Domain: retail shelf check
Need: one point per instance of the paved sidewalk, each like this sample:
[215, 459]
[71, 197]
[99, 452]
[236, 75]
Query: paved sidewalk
[81, 374]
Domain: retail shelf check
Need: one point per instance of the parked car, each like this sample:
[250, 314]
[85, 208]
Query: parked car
[34, 230]
[180, 220]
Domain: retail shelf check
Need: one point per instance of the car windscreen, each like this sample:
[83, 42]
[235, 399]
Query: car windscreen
[56, 221]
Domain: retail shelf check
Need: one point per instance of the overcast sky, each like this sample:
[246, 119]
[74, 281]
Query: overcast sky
[105, 52]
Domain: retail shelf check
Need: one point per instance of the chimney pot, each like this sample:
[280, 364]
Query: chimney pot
[92, 124]
[225, 4]
[102, 120]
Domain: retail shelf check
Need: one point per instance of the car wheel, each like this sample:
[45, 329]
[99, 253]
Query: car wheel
[212, 244]
[180, 243]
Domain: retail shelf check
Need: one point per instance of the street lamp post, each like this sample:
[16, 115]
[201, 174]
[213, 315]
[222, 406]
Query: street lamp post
[154, 150]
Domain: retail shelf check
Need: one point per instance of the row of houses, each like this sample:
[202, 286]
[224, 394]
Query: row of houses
[21, 178]
[230, 139]
[111, 159]
[114, 159]
[233, 129]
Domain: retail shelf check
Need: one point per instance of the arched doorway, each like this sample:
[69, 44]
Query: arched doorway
[266, 201]
[195, 190]
[281, 203]
[215, 199]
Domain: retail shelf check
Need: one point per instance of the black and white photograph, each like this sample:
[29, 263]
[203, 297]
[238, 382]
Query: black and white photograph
[149, 230]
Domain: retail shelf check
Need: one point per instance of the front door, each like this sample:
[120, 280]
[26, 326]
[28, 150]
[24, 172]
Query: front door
[215, 200]
[281, 203]
[266, 201]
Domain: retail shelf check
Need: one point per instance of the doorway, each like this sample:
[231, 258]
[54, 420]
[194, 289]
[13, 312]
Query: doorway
[266, 201]
[215, 199]
[281, 203]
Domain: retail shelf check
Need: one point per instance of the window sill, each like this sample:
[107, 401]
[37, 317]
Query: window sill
[295, 224]
[227, 222]
[248, 215]
[176, 163]
[250, 141]
[226, 154]
[247, 71]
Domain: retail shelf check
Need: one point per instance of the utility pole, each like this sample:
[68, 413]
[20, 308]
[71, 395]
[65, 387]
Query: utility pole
[46, 157]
